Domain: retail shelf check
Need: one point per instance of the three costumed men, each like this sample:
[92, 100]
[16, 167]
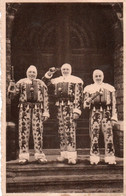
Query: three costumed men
[99, 98]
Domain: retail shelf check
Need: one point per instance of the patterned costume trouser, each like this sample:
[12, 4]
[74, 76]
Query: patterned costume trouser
[101, 120]
[67, 127]
[30, 118]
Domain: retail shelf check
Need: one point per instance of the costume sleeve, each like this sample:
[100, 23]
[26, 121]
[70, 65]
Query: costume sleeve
[18, 87]
[114, 111]
[86, 97]
[47, 78]
[46, 102]
[78, 98]
[47, 81]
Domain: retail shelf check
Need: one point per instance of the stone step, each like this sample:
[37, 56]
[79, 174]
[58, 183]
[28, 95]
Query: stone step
[80, 151]
[59, 169]
[53, 120]
[54, 130]
[52, 165]
[54, 183]
[61, 177]
[85, 190]
[54, 124]
[83, 140]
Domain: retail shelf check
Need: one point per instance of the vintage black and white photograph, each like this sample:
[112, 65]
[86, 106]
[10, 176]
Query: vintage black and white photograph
[64, 97]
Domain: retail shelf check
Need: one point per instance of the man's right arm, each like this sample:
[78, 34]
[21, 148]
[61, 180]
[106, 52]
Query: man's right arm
[13, 88]
[48, 76]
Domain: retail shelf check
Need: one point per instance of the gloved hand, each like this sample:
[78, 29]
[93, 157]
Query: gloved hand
[87, 103]
[52, 69]
[50, 73]
[75, 116]
[45, 118]
[11, 87]
[113, 122]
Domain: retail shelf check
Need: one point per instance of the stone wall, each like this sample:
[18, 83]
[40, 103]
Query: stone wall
[11, 9]
[9, 20]
[118, 64]
[118, 80]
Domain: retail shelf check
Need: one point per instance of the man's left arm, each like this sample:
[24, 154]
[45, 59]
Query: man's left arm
[46, 103]
[78, 100]
[114, 110]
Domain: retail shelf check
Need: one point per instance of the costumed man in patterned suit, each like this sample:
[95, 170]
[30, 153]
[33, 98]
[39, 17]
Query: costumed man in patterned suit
[68, 94]
[33, 111]
[100, 99]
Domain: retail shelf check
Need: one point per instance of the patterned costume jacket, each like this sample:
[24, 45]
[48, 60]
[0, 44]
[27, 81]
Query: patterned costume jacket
[33, 106]
[102, 111]
[68, 94]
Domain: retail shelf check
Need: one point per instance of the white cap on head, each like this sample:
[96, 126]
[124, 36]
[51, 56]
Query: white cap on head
[31, 68]
[98, 71]
[68, 66]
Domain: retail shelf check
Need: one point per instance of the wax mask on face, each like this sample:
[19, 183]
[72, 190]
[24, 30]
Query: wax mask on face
[66, 70]
[31, 75]
[98, 77]
[32, 72]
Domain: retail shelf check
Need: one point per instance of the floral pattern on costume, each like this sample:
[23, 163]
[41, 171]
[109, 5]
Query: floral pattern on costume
[67, 127]
[32, 109]
[102, 112]
[68, 101]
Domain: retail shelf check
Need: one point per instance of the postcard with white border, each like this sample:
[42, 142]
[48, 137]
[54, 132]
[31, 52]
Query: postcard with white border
[63, 107]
